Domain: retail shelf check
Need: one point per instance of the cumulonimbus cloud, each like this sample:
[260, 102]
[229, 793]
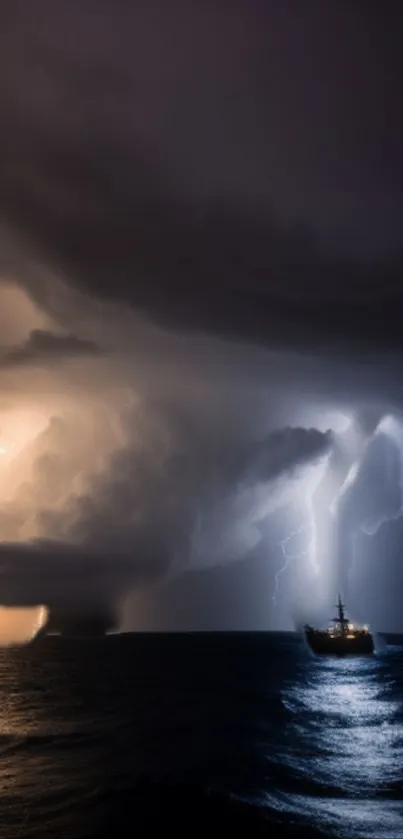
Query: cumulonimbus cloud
[139, 518]
[89, 201]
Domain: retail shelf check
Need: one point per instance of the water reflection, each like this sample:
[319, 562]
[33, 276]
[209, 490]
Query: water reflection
[346, 741]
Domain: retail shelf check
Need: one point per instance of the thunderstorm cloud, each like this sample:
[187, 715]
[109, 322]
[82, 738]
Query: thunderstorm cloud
[200, 298]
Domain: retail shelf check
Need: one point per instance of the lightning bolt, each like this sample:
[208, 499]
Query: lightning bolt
[306, 526]
[309, 525]
[348, 482]
[388, 425]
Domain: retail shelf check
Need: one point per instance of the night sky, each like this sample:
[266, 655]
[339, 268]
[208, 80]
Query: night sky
[201, 400]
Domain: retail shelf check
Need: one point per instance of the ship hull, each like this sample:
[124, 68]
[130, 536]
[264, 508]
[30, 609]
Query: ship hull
[323, 644]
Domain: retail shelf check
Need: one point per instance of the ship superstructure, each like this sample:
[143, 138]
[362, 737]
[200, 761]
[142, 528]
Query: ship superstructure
[342, 638]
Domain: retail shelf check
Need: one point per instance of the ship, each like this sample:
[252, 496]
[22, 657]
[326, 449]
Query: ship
[342, 638]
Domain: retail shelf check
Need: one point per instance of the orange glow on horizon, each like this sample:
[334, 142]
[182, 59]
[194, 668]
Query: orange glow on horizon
[20, 625]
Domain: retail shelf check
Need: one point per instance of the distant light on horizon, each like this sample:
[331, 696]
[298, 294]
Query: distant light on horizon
[21, 625]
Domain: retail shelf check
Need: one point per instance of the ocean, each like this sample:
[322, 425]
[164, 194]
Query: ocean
[139, 735]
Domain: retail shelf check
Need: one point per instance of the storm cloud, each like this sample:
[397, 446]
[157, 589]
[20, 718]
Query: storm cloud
[99, 188]
[201, 212]
[176, 495]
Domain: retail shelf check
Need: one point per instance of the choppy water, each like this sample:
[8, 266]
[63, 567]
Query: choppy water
[135, 735]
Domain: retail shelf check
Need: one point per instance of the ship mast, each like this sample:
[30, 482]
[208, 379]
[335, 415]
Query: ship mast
[341, 619]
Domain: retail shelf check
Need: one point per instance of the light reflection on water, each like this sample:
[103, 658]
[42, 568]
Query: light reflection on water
[346, 741]
[254, 718]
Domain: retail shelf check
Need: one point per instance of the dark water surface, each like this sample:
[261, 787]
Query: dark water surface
[143, 735]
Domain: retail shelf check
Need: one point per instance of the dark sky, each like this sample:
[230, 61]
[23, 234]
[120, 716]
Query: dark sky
[201, 216]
